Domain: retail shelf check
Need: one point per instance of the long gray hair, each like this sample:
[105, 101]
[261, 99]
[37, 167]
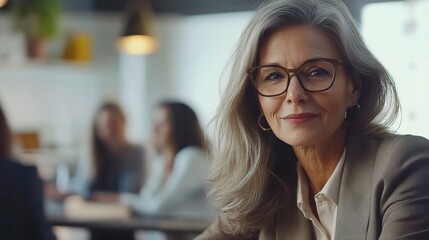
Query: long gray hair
[247, 185]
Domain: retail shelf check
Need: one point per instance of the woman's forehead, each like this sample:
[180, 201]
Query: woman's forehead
[293, 45]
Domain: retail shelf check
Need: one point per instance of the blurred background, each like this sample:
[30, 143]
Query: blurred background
[50, 94]
[59, 59]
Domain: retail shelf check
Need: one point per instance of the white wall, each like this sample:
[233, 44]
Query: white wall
[54, 97]
[398, 34]
[206, 45]
[56, 101]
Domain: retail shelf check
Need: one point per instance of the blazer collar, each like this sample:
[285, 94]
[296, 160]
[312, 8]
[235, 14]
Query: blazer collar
[355, 196]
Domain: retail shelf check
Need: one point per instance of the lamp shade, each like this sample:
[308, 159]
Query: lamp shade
[137, 36]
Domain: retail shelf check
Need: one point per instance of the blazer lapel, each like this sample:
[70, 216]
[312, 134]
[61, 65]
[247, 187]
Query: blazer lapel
[292, 225]
[355, 197]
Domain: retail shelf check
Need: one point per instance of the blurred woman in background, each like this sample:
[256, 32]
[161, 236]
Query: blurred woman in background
[116, 166]
[176, 185]
[21, 196]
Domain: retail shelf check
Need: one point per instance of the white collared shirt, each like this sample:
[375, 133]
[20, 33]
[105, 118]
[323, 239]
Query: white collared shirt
[326, 201]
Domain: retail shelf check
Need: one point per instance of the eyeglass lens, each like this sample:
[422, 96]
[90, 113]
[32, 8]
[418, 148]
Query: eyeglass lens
[313, 76]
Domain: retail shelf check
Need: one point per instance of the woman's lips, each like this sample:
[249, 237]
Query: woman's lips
[300, 118]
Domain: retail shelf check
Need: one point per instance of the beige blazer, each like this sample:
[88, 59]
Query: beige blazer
[384, 194]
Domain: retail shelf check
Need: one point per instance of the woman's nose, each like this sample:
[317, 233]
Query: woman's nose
[295, 93]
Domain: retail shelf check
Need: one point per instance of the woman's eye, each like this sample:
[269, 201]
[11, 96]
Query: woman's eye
[317, 72]
[274, 76]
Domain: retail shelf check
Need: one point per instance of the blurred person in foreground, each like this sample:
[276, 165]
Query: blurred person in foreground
[302, 148]
[22, 215]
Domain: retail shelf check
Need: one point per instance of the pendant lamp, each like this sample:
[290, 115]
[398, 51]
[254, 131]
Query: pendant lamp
[137, 37]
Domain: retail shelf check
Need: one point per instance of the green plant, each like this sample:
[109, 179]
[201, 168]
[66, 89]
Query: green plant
[37, 18]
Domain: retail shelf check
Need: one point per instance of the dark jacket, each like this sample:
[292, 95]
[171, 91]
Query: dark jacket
[21, 203]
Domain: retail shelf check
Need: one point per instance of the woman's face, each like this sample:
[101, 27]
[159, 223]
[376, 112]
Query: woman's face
[161, 129]
[110, 127]
[298, 117]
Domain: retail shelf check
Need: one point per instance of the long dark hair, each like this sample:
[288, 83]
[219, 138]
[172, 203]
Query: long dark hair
[186, 129]
[99, 149]
[5, 136]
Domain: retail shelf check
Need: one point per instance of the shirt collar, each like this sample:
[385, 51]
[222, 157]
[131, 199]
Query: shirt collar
[332, 186]
[302, 191]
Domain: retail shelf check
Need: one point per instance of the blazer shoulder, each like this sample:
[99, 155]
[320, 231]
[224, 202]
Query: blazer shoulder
[403, 145]
[397, 153]
[404, 139]
[400, 188]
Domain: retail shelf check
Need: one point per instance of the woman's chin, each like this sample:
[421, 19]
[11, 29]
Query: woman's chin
[301, 139]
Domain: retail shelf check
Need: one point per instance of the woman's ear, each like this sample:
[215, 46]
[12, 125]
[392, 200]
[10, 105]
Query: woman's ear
[354, 89]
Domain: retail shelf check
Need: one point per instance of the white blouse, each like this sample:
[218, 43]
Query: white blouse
[184, 193]
[326, 201]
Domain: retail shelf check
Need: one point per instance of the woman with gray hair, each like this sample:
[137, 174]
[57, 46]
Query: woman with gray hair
[302, 148]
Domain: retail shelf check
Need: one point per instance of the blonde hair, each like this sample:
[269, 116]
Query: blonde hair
[248, 185]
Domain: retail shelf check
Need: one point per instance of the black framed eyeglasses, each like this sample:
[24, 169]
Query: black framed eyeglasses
[314, 75]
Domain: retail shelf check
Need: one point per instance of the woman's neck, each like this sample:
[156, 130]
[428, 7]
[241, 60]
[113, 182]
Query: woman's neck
[168, 152]
[319, 160]
[118, 146]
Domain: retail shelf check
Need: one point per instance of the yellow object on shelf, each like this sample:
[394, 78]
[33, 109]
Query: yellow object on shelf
[28, 141]
[78, 48]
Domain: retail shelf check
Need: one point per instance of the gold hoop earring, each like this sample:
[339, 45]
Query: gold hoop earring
[266, 129]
